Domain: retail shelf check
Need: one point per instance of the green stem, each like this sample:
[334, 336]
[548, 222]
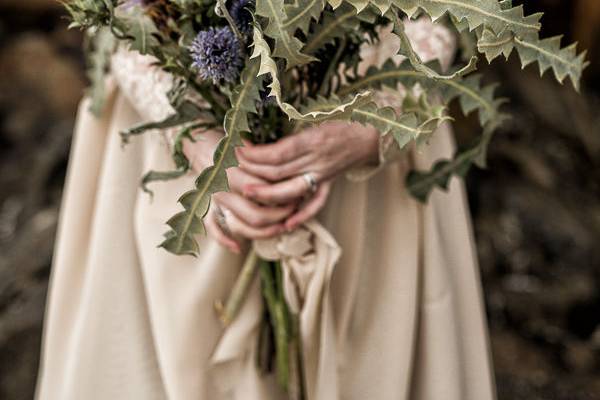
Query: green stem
[277, 313]
[240, 290]
[223, 9]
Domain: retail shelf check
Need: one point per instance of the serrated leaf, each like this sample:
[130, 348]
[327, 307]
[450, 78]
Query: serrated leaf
[471, 95]
[546, 52]
[407, 50]
[140, 29]
[287, 46]
[420, 184]
[102, 46]
[182, 164]
[186, 111]
[300, 13]
[404, 128]
[333, 25]
[186, 224]
[262, 53]
[476, 13]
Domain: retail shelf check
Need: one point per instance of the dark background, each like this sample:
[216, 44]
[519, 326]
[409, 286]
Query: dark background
[536, 210]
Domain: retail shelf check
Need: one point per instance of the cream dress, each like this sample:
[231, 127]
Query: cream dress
[387, 290]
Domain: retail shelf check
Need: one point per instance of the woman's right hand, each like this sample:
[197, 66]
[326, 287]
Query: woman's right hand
[241, 218]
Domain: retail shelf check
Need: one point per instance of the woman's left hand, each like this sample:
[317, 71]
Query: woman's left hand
[324, 151]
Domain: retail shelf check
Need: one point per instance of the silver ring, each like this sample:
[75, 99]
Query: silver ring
[222, 220]
[311, 181]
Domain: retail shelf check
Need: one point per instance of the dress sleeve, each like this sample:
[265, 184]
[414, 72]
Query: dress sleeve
[145, 86]
[430, 41]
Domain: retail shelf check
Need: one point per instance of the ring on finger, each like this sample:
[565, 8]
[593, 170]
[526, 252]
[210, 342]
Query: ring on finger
[311, 181]
[221, 219]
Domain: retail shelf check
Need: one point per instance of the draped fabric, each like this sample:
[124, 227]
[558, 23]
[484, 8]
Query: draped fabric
[387, 289]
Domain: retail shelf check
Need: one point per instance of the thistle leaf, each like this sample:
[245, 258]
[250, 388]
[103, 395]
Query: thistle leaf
[420, 184]
[182, 164]
[407, 50]
[490, 13]
[404, 128]
[471, 95]
[286, 45]
[262, 53]
[101, 48]
[186, 111]
[187, 223]
[300, 14]
[333, 25]
[546, 52]
[141, 30]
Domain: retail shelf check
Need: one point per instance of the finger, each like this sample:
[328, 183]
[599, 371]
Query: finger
[214, 230]
[252, 213]
[237, 178]
[284, 192]
[280, 152]
[239, 227]
[276, 173]
[310, 208]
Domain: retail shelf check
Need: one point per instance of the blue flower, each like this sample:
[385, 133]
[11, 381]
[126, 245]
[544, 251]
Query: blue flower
[239, 11]
[217, 54]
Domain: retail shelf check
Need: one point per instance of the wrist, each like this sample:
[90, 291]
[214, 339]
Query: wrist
[370, 144]
[200, 152]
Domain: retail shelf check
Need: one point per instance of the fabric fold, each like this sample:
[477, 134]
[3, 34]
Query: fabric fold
[308, 257]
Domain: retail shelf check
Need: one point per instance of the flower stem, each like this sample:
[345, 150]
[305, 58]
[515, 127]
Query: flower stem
[230, 21]
[228, 312]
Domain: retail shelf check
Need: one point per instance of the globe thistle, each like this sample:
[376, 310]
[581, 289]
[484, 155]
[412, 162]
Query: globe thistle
[217, 54]
[239, 11]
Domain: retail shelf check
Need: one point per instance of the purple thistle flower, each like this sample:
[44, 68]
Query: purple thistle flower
[239, 11]
[217, 54]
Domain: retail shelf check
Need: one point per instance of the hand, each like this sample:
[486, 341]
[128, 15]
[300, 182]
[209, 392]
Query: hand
[244, 218]
[324, 151]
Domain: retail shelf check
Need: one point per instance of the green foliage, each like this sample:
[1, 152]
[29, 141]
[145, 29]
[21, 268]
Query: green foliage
[301, 13]
[287, 46]
[99, 50]
[321, 112]
[300, 58]
[188, 223]
[141, 29]
[334, 25]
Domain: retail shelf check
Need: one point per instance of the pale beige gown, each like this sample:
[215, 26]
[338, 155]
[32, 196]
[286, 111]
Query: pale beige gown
[389, 297]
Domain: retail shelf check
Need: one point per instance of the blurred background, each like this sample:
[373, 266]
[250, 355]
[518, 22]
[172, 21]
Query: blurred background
[536, 210]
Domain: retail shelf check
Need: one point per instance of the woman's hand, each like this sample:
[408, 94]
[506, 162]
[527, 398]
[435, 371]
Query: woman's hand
[243, 218]
[324, 151]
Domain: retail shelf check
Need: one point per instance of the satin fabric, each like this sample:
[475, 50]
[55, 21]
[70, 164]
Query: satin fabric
[398, 315]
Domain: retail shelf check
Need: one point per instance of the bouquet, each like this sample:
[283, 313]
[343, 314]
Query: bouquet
[262, 69]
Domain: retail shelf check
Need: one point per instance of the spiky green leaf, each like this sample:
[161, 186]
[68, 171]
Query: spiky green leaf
[333, 25]
[301, 13]
[407, 50]
[262, 53]
[471, 95]
[287, 46]
[188, 223]
[420, 184]
[564, 62]
[489, 13]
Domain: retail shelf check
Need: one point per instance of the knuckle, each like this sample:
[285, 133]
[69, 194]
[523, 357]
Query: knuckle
[276, 174]
[258, 219]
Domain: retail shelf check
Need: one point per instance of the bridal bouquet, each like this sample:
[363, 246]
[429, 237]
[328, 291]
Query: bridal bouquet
[260, 69]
